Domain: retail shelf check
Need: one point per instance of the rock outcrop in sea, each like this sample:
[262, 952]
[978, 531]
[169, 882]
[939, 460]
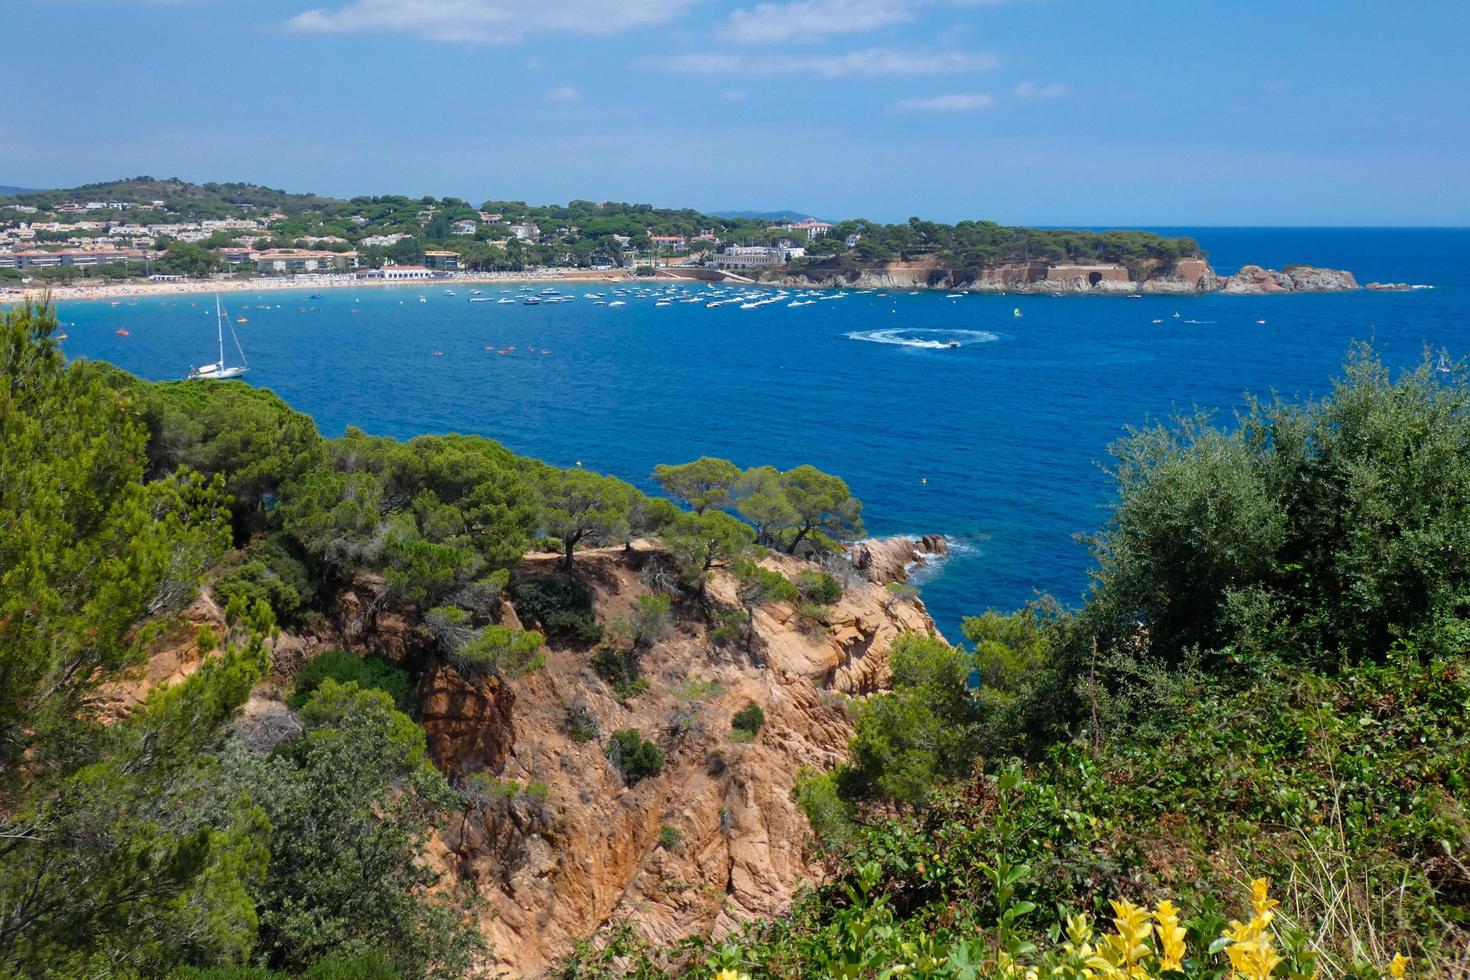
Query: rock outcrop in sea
[885, 560]
[1189, 276]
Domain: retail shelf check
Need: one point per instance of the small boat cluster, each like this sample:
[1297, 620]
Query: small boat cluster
[710, 296]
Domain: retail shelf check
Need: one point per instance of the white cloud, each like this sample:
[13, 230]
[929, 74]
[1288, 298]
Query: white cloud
[958, 102]
[485, 21]
[1031, 90]
[733, 95]
[811, 20]
[564, 93]
[870, 63]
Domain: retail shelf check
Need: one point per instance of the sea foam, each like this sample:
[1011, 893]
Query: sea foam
[916, 337]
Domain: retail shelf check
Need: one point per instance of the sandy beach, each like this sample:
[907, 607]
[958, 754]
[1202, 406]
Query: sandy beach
[118, 290]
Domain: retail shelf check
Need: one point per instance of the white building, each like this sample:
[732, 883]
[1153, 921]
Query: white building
[404, 273]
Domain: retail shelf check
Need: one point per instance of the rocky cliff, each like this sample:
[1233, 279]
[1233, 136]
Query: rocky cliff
[712, 840]
[1184, 277]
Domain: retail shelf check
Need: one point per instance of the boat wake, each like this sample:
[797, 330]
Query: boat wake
[927, 339]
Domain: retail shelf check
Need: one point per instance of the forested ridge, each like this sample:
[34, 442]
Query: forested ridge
[1245, 754]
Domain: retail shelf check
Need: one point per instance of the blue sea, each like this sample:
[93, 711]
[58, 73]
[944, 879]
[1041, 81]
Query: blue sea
[1000, 443]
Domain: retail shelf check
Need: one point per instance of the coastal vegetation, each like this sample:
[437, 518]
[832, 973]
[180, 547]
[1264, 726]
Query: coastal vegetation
[1247, 751]
[140, 841]
[497, 235]
[1245, 755]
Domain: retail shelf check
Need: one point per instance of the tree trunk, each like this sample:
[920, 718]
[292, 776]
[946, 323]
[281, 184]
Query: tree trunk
[791, 548]
[571, 546]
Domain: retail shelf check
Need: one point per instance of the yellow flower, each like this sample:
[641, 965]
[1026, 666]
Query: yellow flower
[1398, 966]
[1252, 956]
[1126, 946]
[731, 975]
[1171, 936]
[1263, 905]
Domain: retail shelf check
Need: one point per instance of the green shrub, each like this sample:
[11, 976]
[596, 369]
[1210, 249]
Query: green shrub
[698, 690]
[620, 669]
[369, 672]
[267, 571]
[562, 605]
[500, 650]
[748, 721]
[819, 588]
[635, 757]
[669, 836]
[813, 618]
[582, 724]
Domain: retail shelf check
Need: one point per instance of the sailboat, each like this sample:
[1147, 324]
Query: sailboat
[217, 371]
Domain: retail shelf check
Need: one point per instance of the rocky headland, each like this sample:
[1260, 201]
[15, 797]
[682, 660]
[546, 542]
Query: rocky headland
[885, 560]
[712, 840]
[1190, 276]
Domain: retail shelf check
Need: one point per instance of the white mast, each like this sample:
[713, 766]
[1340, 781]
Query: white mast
[220, 331]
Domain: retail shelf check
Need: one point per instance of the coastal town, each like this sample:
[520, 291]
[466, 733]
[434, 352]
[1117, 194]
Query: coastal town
[49, 240]
[145, 235]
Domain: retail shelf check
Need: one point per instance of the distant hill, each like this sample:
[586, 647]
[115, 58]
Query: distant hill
[172, 191]
[772, 216]
[6, 190]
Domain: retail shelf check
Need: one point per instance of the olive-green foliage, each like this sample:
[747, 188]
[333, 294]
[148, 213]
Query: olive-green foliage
[634, 756]
[757, 587]
[86, 549]
[1308, 779]
[433, 513]
[649, 620]
[822, 504]
[831, 817]
[579, 506]
[749, 720]
[702, 542]
[801, 505]
[922, 731]
[669, 836]
[705, 484]
[582, 724]
[1333, 527]
[334, 966]
[818, 587]
[119, 852]
[561, 605]
[267, 570]
[500, 650]
[620, 668]
[247, 435]
[351, 804]
[368, 671]
[969, 246]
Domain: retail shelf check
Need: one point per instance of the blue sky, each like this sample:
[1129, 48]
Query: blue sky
[1074, 112]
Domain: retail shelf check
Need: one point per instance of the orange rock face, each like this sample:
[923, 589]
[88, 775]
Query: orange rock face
[591, 854]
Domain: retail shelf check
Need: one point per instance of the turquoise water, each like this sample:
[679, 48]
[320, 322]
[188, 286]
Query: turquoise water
[998, 443]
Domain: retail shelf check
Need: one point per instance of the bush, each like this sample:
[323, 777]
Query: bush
[562, 605]
[267, 571]
[370, 672]
[669, 836]
[813, 618]
[500, 650]
[620, 669]
[582, 724]
[748, 721]
[635, 757]
[819, 588]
